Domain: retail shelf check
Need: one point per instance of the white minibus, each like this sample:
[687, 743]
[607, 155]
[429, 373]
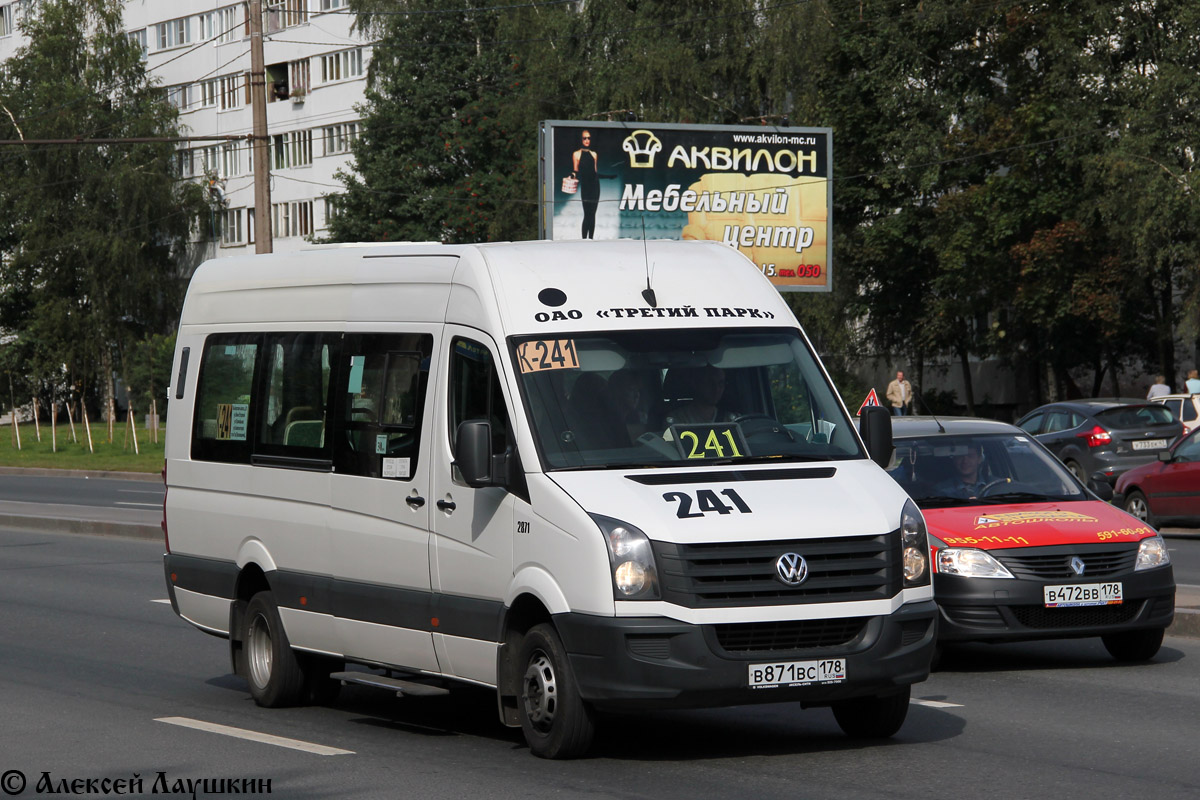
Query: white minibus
[588, 475]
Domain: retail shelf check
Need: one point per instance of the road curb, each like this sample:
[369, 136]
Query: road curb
[90, 527]
[1187, 623]
[41, 472]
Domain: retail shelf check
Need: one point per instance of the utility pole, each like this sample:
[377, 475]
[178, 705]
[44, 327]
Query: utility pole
[258, 109]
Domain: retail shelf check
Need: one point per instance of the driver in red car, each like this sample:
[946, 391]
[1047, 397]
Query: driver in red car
[968, 480]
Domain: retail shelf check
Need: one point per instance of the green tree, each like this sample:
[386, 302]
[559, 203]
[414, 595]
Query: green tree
[92, 235]
[448, 149]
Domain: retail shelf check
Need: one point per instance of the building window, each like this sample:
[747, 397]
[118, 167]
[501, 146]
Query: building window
[292, 219]
[179, 96]
[333, 207]
[138, 37]
[232, 233]
[6, 21]
[173, 33]
[291, 149]
[342, 65]
[208, 160]
[337, 138]
[184, 163]
[232, 91]
[284, 14]
[210, 91]
[231, 160]
[330, 5]
[300, 78]
[227, 24]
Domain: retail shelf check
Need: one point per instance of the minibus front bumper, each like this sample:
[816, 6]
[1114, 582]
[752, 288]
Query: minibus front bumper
[652, 662]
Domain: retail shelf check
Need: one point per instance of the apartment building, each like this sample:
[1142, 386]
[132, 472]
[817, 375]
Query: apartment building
[199, 52]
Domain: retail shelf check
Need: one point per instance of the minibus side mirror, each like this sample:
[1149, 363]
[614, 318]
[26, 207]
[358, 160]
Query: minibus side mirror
[473, 452]
[875, 426]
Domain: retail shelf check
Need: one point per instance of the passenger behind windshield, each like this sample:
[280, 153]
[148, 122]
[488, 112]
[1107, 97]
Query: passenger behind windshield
[986, 469]
[646, 398]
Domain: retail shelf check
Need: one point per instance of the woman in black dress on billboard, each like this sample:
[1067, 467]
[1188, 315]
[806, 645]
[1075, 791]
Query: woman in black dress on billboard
[584, 163]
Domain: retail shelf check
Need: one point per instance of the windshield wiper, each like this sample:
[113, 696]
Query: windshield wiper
[945, 500]
[1021, 497]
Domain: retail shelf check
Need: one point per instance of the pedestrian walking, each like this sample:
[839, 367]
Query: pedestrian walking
[900, 395]
[1159, 388]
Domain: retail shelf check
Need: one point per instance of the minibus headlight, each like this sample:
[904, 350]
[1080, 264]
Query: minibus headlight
[631, 559]
[914, 543]
[1152, 552]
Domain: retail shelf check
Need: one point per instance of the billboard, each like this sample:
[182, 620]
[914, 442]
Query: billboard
[764, 190]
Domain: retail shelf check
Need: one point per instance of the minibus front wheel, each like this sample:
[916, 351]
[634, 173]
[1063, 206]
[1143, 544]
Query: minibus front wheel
[269, 663]
[554, 718]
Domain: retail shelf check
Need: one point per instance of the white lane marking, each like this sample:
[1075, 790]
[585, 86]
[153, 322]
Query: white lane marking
[934, 703]
[147, 505]
[164, 600]
[253, 736]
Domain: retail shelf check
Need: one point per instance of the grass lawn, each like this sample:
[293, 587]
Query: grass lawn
[117, 455]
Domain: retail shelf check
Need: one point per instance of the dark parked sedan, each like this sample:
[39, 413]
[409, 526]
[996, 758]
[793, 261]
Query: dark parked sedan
[1109, 437]
[1168, 487]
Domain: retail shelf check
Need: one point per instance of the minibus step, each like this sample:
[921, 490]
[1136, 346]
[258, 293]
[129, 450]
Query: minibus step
[396, 685]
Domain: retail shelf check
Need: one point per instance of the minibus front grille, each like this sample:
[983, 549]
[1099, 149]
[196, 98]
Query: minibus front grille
[780, 637]
[848, 568]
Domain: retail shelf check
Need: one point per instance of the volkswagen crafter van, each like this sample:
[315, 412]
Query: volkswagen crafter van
[589, 475]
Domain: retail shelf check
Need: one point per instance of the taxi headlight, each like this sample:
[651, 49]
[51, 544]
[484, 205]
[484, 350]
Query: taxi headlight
[914, 542]
[634, 575]
[1152, 553]
[970, 562]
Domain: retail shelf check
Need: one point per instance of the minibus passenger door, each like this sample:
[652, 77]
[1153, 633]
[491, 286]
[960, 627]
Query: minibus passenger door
[473, 528]
[379, 527]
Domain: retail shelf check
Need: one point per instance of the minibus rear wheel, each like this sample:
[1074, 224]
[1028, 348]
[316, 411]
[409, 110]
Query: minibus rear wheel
[554, 718]
[872, 717]
[270, 664]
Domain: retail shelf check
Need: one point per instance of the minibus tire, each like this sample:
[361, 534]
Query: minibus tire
[872, 717]
[269, 663]
[1134, 645]
[555, 720]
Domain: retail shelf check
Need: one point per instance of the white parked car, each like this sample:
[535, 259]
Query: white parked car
[1185, 407]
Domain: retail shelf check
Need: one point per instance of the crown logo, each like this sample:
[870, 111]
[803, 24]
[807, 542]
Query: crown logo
[641, 146]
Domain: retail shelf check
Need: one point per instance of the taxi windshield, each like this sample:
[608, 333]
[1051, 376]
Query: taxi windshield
[696, 396]
[943, 470]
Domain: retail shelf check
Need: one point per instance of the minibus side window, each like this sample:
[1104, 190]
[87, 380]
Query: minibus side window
[383, 381]
[295, 394]
[224, 402]
[475, 391]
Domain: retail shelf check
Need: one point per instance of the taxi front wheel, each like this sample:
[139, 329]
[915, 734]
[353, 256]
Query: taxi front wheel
[1133, 645]
[872, 717]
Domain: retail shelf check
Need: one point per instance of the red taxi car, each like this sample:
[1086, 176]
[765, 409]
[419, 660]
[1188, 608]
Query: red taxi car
[1021, 549]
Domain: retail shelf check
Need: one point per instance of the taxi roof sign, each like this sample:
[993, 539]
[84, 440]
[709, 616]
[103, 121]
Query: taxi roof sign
[872, 400]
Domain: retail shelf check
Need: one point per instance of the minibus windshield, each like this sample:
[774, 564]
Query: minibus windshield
[703, 396]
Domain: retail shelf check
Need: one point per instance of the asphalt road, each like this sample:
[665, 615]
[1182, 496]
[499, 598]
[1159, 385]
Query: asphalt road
[91, 662]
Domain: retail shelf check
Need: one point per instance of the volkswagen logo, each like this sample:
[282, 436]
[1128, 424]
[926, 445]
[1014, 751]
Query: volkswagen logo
[1076, 564]
[791, 569]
